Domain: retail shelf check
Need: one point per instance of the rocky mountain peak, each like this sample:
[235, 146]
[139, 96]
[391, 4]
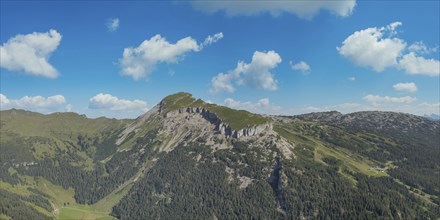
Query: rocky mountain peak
[234, 120]
[188, 118]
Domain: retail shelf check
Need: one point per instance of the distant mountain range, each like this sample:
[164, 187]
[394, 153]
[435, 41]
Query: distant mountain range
[434, 117]
[188, 159]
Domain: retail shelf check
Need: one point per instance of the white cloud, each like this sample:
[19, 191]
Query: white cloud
[420, 48]
[69, 108]
[112, 24]
[392, 27]
[263, 106]
[369, 47]
[107, 101]
[4, 102]
[223, 81]
[414, 65]
[406, 87]
[30, 53]
[212, 39]
[301, 66]
[387, 99]
[302, 9]
[255, 74]
[34, 103]
[379, 49]
[140, 61]
[352, 78]
[263, 102]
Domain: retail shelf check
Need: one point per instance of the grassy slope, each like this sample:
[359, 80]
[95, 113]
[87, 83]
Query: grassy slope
[82, 212]
[4, 217]
[99, 210]
[151, 124]
[352, 161]
[306, 134]
[237, 119]
[31, 135]
[103, 207]
[45, 134]
[61, 125]
[62, 200]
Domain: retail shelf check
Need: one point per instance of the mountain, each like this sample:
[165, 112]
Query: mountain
[188, 159]
[433, 117]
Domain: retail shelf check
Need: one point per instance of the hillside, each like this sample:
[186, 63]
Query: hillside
[189, 159]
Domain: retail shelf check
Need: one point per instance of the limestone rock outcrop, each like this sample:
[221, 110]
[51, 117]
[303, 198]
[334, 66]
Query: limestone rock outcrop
[220, 126]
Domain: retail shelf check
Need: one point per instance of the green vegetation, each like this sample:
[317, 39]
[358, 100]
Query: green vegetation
[82, 212]
[23, 207]
[322, 150]
[177, 101]
[62, 202]
[65, 166]
[405, 158]
[237, 119]
[61, 125]
[106, 204]
[5, 217]
[180, 185]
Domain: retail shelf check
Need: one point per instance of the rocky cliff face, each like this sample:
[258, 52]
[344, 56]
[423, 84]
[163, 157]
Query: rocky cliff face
[220, 126]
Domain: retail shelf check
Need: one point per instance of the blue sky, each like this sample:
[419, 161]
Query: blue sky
[288, 57]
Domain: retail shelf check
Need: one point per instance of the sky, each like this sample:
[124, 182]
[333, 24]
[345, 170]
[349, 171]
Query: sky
[119, 59]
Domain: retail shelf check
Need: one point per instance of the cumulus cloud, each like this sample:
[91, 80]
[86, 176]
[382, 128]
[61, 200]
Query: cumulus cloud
[369, 47]
[387, 99]
[302, 9]
[223, 81]
[420, 48]
[30, 53]
[112, 24]
[263, 106]
[413, 64]
[406, 87]
[110, 102]
[255, 74]
[301, 66]
[352, 78]
[142, 60]
[379, 48]
[34, 103]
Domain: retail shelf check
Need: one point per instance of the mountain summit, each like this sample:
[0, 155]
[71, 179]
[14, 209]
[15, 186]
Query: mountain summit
[189, 159]
[234, 120]
[181, 116]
